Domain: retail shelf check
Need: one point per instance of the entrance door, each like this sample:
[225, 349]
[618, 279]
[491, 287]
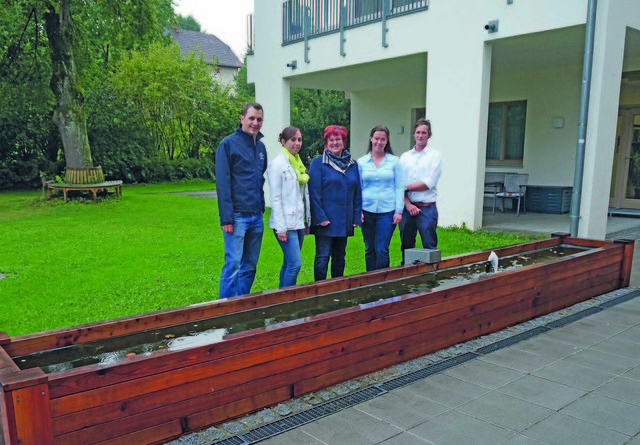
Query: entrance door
[625, 180]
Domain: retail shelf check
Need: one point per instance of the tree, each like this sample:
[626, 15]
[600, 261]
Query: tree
[186, 111]
[312, 111]
[244, 90]
[189, 23]
[70, 28]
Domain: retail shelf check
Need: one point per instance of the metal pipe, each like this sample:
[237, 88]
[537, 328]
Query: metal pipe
[584, 114]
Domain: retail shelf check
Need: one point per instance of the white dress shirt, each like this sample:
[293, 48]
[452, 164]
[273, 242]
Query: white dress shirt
[422, 166]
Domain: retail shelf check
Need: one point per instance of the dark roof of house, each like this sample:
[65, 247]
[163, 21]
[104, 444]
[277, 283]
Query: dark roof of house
[208, 44]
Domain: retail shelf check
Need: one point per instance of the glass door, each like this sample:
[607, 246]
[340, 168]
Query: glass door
[625, 187]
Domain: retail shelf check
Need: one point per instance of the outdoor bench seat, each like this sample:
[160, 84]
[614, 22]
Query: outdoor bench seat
[116, 185]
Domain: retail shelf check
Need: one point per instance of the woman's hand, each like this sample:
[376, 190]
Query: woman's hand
[361, 218]
[397, 217]
[284, 236]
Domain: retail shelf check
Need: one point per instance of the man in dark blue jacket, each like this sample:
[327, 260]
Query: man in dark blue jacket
[241, 161]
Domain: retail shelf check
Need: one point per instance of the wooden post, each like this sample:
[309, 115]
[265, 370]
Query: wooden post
[26, 410]
[627, 261]
[6, 365]
[561, 235]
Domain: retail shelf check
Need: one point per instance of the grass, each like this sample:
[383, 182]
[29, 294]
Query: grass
[79, 262]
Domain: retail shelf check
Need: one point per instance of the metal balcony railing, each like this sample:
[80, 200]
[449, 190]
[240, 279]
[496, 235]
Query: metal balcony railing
[314, 18]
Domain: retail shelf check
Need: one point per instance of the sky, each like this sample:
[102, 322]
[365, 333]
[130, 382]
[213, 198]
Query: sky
[226, 19]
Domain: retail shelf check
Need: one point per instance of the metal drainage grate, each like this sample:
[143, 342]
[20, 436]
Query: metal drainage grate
[233, 440]
[299, 419]
[622, 299]
[574, 317]
[510, 341]
[420, 374]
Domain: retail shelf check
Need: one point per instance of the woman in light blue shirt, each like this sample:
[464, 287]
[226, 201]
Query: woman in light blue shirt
[382, 197]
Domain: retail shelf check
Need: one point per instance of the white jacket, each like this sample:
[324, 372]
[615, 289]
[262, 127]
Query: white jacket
[289, 200]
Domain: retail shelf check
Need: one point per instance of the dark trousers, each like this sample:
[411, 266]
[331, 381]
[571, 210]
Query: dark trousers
[424, 222]
[329, 247]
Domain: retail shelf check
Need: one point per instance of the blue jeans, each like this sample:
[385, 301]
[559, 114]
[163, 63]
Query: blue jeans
[241, 252]
[291, 261]
[377, 230]
[334, 247]
[424, 222]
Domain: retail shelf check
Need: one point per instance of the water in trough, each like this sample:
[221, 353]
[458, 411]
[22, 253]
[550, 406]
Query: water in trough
[207, 331]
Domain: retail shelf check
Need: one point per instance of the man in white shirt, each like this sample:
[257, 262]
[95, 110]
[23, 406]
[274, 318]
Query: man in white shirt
[421, 169]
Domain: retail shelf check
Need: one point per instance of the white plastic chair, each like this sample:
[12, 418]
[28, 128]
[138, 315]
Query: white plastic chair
[515, 186]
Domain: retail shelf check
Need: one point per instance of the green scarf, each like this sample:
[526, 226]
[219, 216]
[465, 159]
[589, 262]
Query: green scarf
[298, 166]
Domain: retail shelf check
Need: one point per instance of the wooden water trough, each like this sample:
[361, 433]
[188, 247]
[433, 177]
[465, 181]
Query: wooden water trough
[160, 395]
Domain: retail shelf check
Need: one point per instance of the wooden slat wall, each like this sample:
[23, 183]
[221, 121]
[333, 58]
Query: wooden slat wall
[290, 361]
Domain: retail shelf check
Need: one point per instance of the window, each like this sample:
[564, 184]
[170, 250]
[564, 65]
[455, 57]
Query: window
[505, 133]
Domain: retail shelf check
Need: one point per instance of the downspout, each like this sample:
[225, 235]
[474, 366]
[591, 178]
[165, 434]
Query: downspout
[584, 114]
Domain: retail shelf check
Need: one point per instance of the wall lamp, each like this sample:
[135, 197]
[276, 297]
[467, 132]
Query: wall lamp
[293, 65]
[492, 26]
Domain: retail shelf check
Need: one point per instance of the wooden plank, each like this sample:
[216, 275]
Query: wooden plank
[6, 363]
[6, 413]
[274, 336]
[31, 416]
[627, 261]
[159, 434]
[118, 430]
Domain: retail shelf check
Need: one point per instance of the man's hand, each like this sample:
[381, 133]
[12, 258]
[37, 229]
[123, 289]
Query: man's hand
[413, 210]
[325, 223]
[283, 236]
[227, 228]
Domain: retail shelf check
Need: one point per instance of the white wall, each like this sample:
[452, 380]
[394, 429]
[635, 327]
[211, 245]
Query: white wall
[226, 75]
[367, 112]
[549, 153]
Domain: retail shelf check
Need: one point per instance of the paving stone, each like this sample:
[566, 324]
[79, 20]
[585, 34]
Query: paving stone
[560, 429]
[282, 409]
[251, 421]
[341, 389]
[327, 395]
[267, 415]
[192, 439]
[312, 399]
[233, 427]
[298, 405]
[213, 433]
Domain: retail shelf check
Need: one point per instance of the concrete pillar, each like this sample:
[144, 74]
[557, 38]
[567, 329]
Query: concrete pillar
[458, 79]
[272, 90]
[603, 111]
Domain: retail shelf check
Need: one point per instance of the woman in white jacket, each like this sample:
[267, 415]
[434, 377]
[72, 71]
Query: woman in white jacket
[290, 215]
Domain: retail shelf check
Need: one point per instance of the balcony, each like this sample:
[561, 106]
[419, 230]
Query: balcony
[315, 18]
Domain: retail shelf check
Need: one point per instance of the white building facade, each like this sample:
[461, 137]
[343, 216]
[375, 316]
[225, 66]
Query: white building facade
[502, 99]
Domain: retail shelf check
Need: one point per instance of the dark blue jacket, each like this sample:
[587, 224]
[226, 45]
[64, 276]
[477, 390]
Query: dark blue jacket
[240, 167]
[335, 197]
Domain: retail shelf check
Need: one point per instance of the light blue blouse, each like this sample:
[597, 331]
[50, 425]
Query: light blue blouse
[382, 186]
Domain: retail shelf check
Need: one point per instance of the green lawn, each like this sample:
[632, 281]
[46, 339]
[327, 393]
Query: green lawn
[67, 264]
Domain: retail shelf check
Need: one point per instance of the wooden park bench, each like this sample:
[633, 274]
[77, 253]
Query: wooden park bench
[49, 186]
[82, 179]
